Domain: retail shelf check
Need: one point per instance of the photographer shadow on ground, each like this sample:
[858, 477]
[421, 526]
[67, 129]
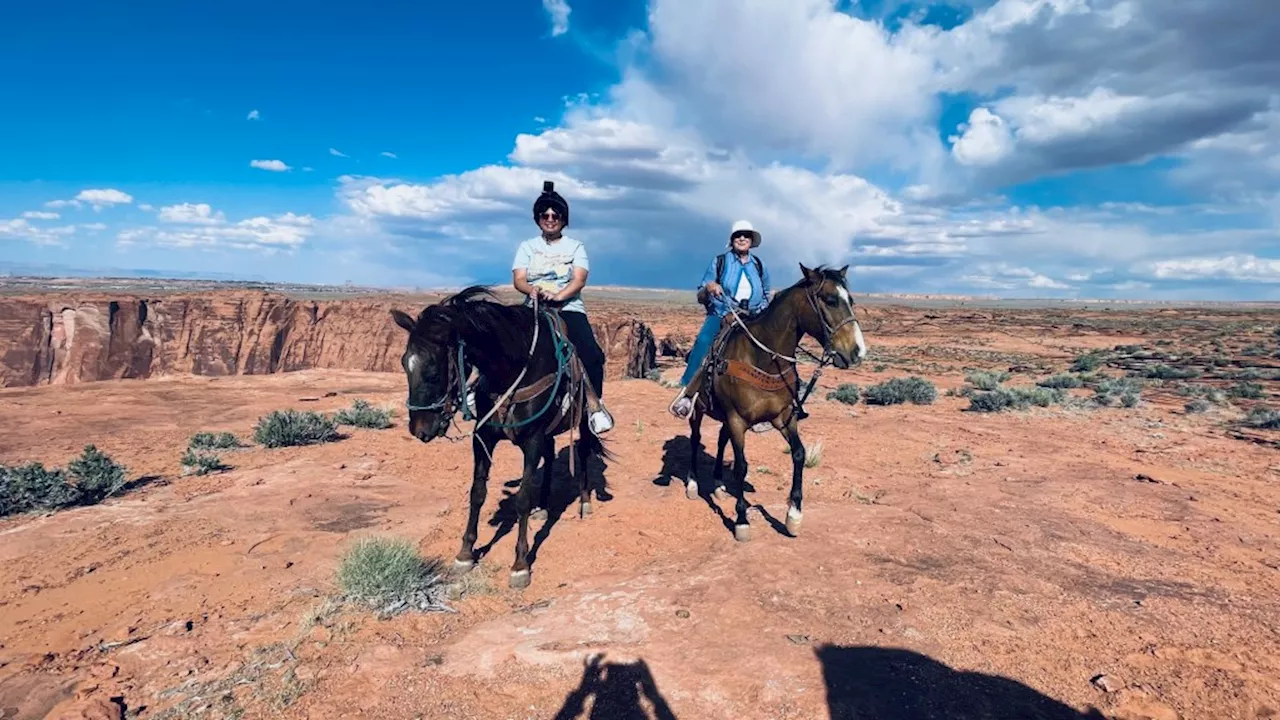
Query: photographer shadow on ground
[622, 691]
[896, 684]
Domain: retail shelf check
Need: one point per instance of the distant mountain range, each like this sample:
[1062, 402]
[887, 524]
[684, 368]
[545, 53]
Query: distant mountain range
[59, 270]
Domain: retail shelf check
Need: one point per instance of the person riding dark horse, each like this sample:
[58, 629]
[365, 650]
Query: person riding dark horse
[735, 280]
[554, 267]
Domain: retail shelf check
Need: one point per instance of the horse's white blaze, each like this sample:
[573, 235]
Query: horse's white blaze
[858, 341]
[412, 363]
[844, 295]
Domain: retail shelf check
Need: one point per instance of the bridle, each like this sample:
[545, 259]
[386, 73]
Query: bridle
[453, 398]
[828, 331]
[828, 337]
[449, 401]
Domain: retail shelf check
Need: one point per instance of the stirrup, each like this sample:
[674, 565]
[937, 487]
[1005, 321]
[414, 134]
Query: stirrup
[600, 421]
[682, 397]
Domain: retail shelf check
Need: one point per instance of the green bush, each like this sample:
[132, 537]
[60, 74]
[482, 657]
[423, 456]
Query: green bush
[89, 479]
[1089, 361]
[1263, 419]
[388, 575]
[847, 393]
[1211, 395]
[1247, 390]
[96, 476]
[1016, 398]
[287, 428]
[901, 390]
[1165, 372]
[362, 414]
[1061, 381]
[1199, 405]
[211, 441]
[986, 380]
[201, 463]
[1127, 391]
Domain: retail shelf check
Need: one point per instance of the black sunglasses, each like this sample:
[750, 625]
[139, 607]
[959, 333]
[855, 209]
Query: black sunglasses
[741, 234]
[550, 215]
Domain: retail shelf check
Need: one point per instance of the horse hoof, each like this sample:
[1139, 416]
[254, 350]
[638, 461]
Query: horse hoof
[691, 489]
[742, 533]
[539, 515]
[462, 567]
[584, 510]
[794, 518]
[721, 493]
[519, 579]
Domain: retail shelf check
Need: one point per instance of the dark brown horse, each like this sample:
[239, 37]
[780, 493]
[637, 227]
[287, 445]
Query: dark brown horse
[532, 389]
[752, 378]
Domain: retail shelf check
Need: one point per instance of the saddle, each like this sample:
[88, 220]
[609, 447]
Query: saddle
[574, 392]
[716, 365]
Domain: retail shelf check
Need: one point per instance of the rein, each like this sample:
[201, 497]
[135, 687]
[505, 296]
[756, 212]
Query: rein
[457, 397]
[828, 332]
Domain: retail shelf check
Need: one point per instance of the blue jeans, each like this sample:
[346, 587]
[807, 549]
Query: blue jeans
[710, 327]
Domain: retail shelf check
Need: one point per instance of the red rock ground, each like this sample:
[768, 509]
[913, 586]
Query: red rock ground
[951, 565]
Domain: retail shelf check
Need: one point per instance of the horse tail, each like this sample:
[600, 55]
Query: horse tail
[594, 444]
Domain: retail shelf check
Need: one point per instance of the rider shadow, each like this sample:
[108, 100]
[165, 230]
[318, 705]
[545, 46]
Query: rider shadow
[675, 467]
[898, 684]
[564, 495]
[619, 690]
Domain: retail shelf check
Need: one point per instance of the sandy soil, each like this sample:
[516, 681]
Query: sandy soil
[1055, 563]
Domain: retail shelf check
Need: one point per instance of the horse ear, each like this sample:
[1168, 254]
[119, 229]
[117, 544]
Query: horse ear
[403, 320]
[844, 274]
[808, 274]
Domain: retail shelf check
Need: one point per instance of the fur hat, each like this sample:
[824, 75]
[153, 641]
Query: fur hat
[550, 199]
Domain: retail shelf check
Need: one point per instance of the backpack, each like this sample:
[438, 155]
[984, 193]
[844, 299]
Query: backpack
[704, 298]
[720, 267]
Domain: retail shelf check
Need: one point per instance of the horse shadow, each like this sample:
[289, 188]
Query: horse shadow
[898, 684]
[564, 494]
[675, 467]
[618, 689]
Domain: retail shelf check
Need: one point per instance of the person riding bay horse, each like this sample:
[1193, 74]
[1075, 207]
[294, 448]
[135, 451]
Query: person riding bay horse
[735, 279]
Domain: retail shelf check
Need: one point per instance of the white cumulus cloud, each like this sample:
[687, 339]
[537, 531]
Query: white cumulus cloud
[559, 11]
[271, 165]
[191, 214]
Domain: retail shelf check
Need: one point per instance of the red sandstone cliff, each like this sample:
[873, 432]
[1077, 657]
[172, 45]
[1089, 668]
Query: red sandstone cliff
[58, 339]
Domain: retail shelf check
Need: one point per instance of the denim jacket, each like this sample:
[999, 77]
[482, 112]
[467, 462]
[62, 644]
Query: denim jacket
[733, 270]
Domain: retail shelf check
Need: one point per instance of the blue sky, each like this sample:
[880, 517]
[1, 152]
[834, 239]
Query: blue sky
[1056, 148]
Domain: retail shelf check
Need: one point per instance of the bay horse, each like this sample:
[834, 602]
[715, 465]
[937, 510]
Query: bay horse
[750, 377]
[531, 389]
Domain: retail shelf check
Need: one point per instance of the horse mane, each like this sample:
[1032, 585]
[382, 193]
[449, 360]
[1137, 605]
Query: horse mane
[803, 283]
[478, 316]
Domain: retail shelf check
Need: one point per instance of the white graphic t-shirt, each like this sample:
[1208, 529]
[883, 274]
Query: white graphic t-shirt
[550, 265]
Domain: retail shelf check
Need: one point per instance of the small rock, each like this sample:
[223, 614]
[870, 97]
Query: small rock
[798, 639]
[288, 564]
[682, 614]
[435, 660]
[1106, 683]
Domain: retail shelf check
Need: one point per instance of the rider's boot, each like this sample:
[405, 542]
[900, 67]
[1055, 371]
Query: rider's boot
[598, 418]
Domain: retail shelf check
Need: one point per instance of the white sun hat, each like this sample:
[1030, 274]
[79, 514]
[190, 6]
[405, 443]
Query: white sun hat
[744, 225]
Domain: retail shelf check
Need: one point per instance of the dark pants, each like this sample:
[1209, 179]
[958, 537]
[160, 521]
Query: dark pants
[578, 328]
